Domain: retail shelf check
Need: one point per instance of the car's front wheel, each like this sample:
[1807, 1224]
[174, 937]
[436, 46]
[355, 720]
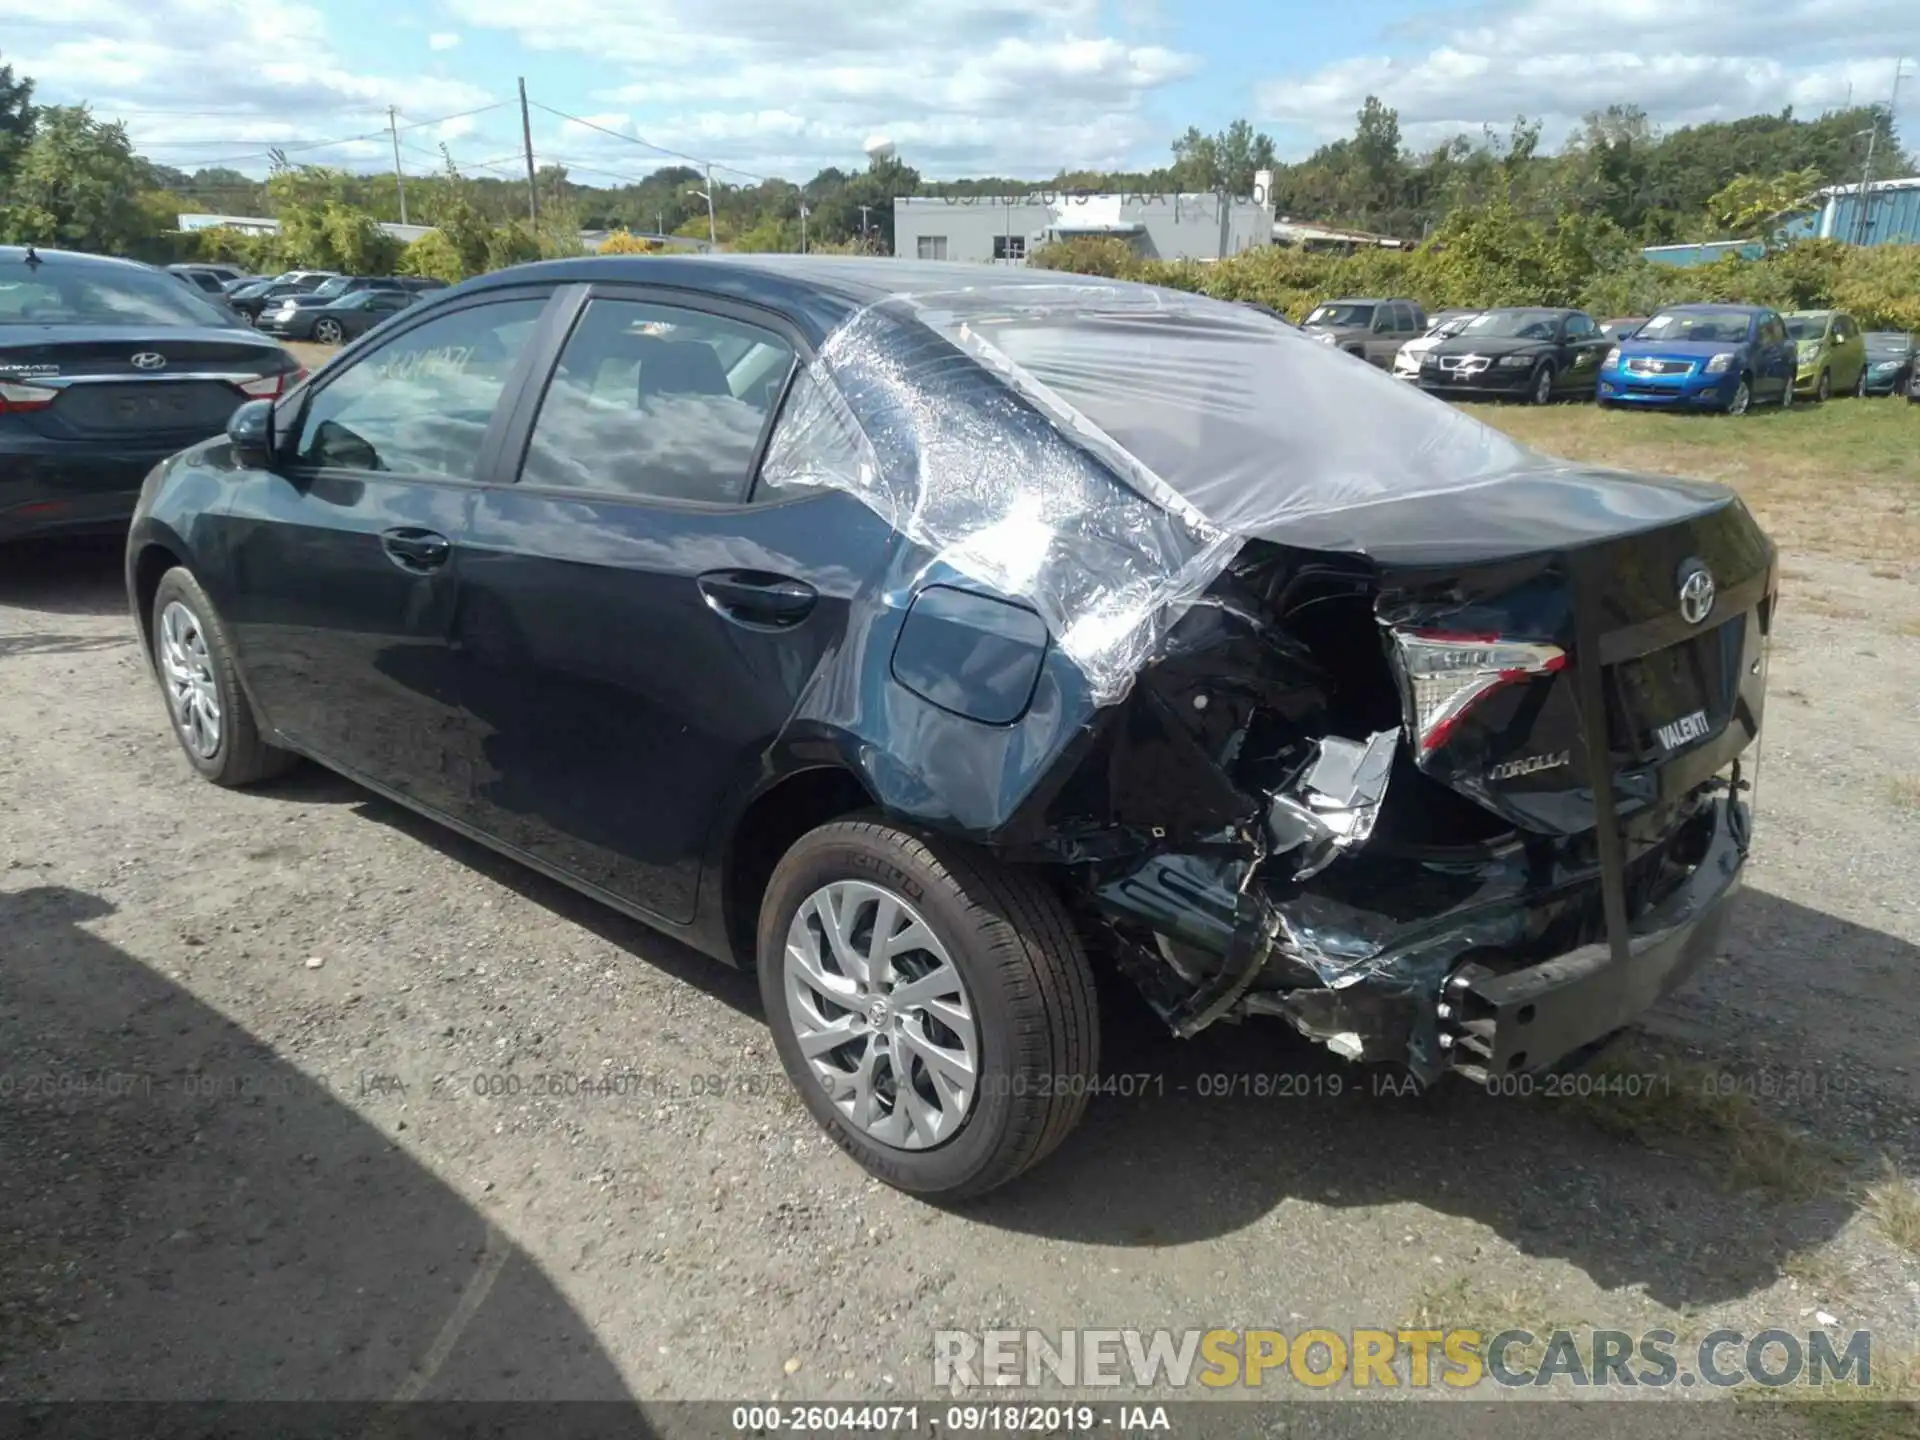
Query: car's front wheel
[326, 331]
[1823, 387]
[934, 1008]
[1741, 398]
[194, 663]
[1860, 385]
[1542, 391]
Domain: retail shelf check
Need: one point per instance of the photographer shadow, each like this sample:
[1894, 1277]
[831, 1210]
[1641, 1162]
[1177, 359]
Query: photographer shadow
[190, 1216]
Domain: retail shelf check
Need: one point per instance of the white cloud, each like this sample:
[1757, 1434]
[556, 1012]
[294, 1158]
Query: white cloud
[1008, 86]
[282, 81]
[443, 40]
[1682, 61]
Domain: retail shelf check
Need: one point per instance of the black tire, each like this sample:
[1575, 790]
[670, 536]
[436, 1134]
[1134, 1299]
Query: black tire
[1860, 385]
[1742, 398]
[1823, 387]
[241, 757]
[1027, 976]
[1787, 396]
[327, 331]
[1540, 387]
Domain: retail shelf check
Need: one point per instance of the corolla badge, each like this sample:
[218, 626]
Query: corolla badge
[149, 360]
[1696, 592]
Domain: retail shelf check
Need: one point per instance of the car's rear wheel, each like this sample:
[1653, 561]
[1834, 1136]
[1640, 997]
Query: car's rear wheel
[194, 663]
[1542, 391]
[934, 1008]
[326, 331]
[1823, 387]
[1741, 398]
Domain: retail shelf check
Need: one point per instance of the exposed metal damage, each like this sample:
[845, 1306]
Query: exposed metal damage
[1348, 722]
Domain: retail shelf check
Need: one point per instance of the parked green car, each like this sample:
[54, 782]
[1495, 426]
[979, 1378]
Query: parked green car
[1833, 353]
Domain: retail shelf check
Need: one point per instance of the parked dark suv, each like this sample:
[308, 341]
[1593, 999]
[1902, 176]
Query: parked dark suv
[900, 629]
[1372, 329]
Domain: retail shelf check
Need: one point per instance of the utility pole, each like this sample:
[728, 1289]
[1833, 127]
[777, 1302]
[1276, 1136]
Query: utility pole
[1861, 223]
[399, 180]
[863, 226]
[803, 222]
[713, 230]
[526, 138]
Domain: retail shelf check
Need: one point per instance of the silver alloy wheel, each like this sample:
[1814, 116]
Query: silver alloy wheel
[1543, 386]
[1786, 396]
[1860, 385]
[327, 332]
[1741, 395]
[187, 672]
[884, 1022]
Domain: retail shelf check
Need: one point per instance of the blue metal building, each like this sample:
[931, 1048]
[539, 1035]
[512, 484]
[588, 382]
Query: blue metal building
[1892, 217]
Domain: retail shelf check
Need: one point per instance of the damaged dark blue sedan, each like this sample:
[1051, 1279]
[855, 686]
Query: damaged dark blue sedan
[933, 637]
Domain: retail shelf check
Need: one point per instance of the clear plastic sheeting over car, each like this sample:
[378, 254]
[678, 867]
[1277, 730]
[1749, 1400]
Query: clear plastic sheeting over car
[1102, 449]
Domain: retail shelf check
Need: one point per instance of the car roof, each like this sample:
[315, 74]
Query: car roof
[16, 254]
[1715, 307]
[818, 292]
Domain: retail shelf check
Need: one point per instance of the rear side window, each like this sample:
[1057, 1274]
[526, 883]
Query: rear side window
[420, 404]
[656, 402]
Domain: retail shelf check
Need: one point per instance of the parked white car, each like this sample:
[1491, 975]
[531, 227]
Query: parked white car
[1445, 325]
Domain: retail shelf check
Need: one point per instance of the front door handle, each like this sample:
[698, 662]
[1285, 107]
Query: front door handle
[757, 599]
[416, 550]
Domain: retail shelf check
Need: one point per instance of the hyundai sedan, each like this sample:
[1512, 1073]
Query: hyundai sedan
[933, 639]
[107, 367]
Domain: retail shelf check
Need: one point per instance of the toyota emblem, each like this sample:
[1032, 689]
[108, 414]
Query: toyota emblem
[148, 360]
[1696, 592]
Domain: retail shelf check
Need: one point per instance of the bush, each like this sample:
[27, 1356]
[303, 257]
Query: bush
[433, 257]
[1089, 255]
[622, 242]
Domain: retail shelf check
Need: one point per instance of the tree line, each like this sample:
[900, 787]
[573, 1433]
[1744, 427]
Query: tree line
[69, 178]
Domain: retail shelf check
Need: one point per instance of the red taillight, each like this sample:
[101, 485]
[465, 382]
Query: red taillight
[16, 398]
[1448, 674]
[271, 387]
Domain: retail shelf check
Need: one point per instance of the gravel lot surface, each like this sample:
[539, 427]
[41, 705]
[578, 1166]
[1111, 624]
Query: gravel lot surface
[289, 1101]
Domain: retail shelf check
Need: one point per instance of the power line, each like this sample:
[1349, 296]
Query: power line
[649, 145]
[292, 146]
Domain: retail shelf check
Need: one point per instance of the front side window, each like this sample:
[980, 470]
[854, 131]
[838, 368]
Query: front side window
[1355, 317]
[1579, 327]
[655, 402]
[420, 404]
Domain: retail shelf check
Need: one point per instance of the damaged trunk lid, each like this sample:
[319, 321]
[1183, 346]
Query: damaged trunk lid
[1651, 607]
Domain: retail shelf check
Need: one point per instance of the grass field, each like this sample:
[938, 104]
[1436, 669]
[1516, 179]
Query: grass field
[1841, 478]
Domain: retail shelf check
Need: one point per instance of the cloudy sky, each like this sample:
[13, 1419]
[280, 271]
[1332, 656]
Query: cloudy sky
[1019, 87]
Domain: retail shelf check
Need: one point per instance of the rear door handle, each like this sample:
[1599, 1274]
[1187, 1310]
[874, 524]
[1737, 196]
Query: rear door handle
[415, 549]
[758, 599]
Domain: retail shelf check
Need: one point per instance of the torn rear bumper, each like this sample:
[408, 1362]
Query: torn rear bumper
[1531, 1018]
[1490, 992]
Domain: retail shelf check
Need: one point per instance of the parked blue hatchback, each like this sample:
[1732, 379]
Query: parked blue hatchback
[1702, 357]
